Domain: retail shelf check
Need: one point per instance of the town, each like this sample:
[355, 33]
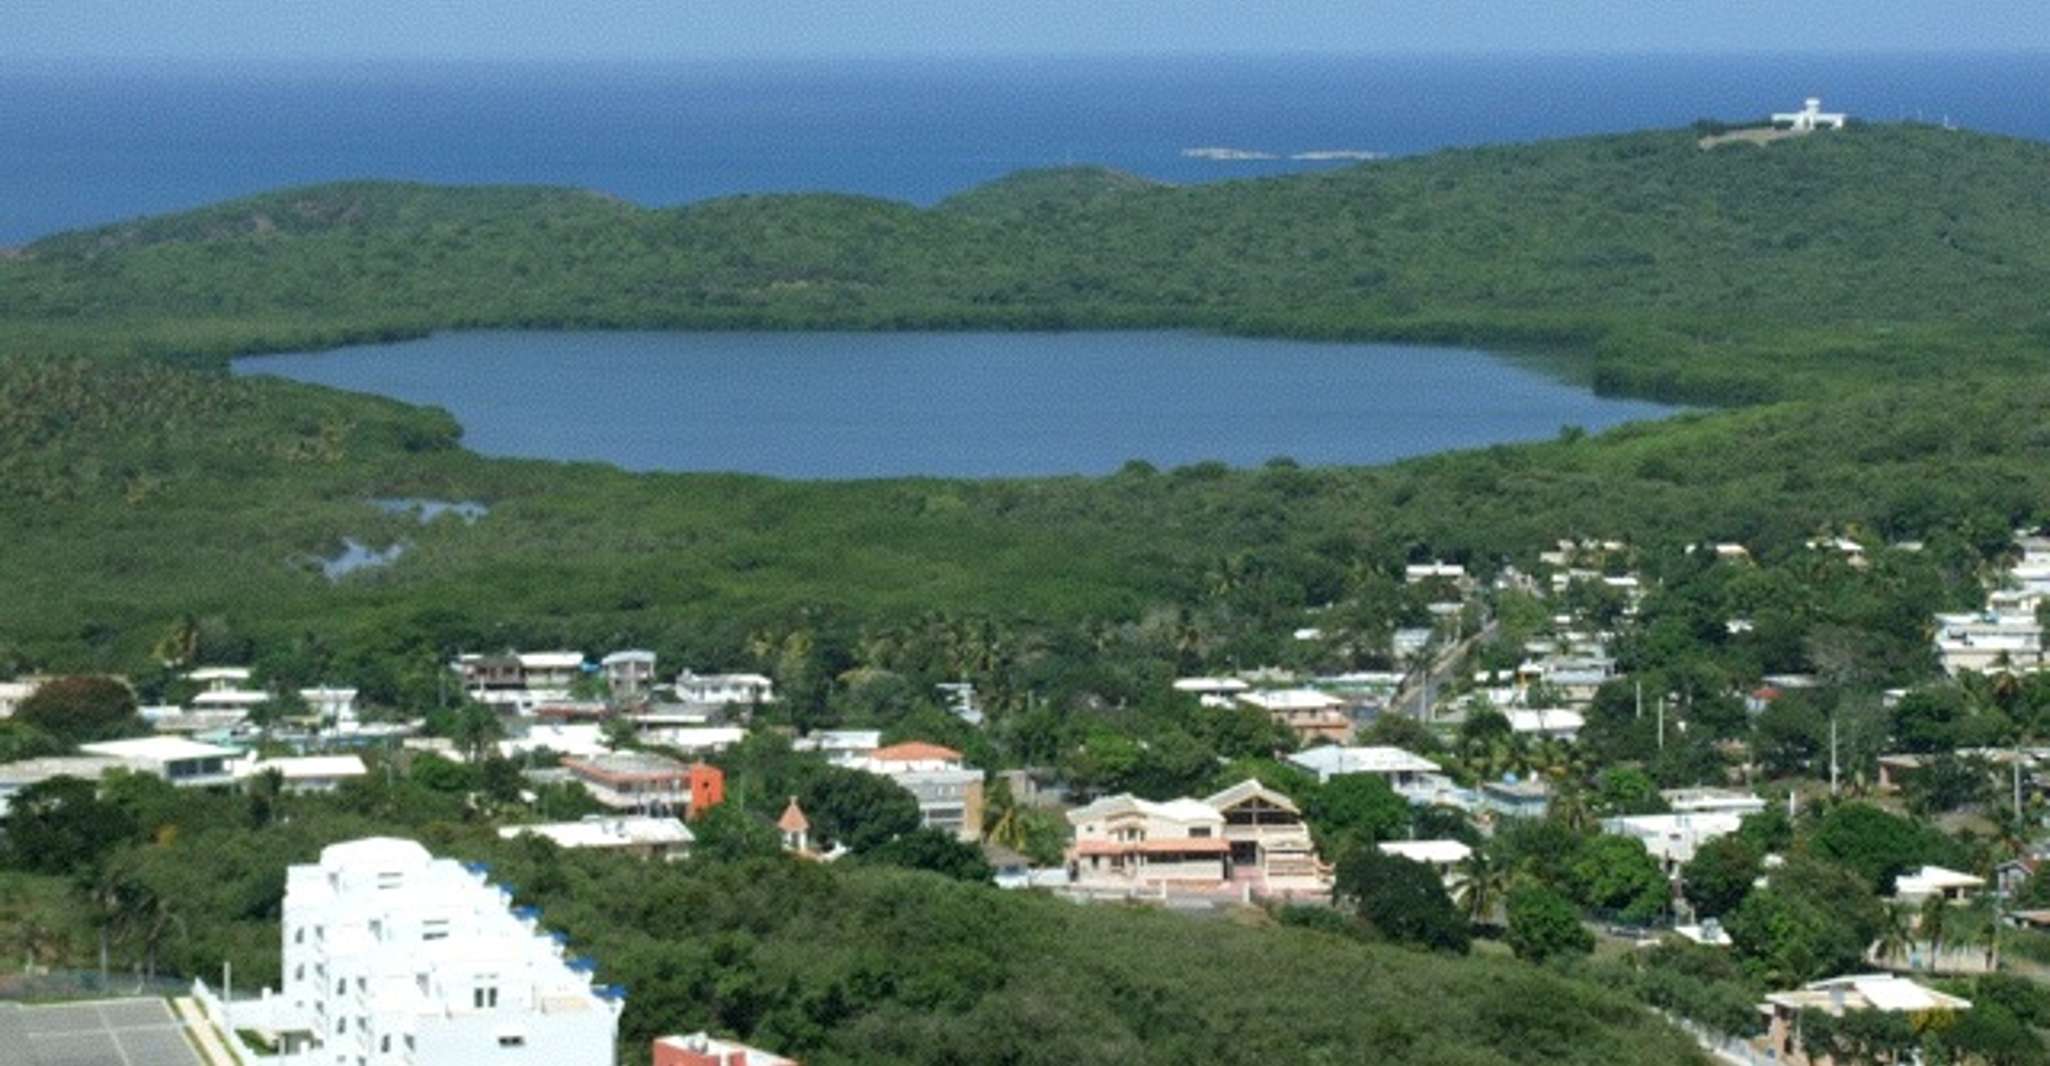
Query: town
[1805, 841]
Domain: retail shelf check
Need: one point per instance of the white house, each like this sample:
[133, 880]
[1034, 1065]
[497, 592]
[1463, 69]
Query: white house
[1712, 801]
[1215, 692]
[1810, 118]
[1673, 839]
[307, 773]
[651, 837]
[1402, 770]
[841, 747]
[175, 759]
[1838, 996]
[332, 705]
[15, 776]
[392, 956]
[519, 681]
[1549, 722]
[1309, 714]
[724, 689]
[1919, 885]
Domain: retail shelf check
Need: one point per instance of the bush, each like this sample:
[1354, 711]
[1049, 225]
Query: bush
[1544, 925]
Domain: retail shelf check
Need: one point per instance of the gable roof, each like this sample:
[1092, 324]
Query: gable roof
[1250, 788]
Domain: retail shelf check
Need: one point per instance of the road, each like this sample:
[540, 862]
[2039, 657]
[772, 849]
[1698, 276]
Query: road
[1409, 700]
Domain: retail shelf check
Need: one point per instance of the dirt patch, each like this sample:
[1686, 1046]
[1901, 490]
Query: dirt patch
[1760, 136]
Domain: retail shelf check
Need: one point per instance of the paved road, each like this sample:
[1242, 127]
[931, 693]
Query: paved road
[1410, 701]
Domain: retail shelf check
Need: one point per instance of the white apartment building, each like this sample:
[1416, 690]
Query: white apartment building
[395, 958]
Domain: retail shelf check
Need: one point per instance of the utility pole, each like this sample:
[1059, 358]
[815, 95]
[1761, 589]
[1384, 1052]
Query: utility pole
[1832, 755]
[1640, 699]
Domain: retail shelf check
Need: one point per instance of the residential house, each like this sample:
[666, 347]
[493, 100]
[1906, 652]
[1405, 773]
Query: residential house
[303, 774]
[1838, 996]
[1549, 723]
[949, 793]
[1124, 843]
[394, 956]
[1918, 886]
[704, 1049]
[332, 706]
[639, 835]
[1309, 714]
[1711, 801]
[724, 689]
[629, 674]
[1673, 839]
[1442, 856]
[1405, 772]
[1270, 845]
[27, 773]
[177, 760]
[520, 682]
[1217, 693]
[1989, 642]
[633, 780]
[841, 747]
[1511, 798]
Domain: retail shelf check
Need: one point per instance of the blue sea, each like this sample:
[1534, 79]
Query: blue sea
[82, 145]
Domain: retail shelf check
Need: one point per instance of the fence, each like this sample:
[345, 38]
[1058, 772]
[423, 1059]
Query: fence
[58, 986]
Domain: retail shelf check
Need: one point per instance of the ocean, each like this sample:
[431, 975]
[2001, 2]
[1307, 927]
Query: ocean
[82, 145]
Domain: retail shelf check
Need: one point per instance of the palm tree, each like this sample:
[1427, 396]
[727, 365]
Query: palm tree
[1935, 921]
[1002, 822]
[1896, 934]
[1984, 930]
[1484, 882]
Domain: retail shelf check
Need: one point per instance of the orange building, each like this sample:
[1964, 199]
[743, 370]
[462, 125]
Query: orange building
[707, 788]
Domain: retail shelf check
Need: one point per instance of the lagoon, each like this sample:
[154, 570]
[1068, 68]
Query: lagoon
[863, 405]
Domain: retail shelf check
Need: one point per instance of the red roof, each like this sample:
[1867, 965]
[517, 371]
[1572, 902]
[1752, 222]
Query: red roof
[915, 751]
[793, 820]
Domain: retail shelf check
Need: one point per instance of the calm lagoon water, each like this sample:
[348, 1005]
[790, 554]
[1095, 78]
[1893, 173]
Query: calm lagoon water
[856, 405]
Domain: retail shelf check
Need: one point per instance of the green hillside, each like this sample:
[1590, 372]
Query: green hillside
[1737, 273]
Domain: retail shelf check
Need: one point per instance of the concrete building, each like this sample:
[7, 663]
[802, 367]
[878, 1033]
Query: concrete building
[1711, 801]
[841, 747]
[1270, 846]
[1125, 843]
[629, 674]
[633, 781]
[1989, 642]
[334, 707]
[949, 792]
[1311, 715]
[395, 958]
[724, 689]
[181, 762]
[519, 682]
[1400, 768]
[1838, 996]
[1917, 886]
[647, 837]
[308, 773]
[1673, 839]
[1550, 723]
[704, 1049]
[1810, 118]
[27, 773]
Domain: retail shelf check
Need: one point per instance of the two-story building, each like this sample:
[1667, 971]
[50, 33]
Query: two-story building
[949, 793]
[1125, 843]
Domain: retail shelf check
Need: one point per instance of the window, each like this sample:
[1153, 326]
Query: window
[484, 997]
[390, 880]
[1199, 832]
[384, 1044]
[511, 1040]
[299, 935]
[341, 985]
[434, 929]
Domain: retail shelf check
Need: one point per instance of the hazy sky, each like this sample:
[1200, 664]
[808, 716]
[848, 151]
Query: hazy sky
[601, 29]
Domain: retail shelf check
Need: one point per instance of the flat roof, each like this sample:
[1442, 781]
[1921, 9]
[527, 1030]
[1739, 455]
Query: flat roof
[159, 749]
